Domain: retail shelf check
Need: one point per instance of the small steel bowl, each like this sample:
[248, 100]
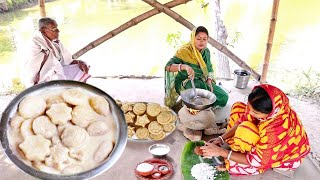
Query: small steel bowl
[159, 150]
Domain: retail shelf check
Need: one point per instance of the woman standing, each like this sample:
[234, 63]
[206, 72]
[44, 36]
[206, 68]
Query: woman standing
[192, 61]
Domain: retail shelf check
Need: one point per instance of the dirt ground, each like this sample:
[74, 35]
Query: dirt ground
[152, 90]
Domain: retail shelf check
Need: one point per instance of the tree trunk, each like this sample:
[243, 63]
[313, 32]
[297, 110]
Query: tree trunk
[270, 40]
[42, 7]
[125, 26]
[223, 67]
[213, 42]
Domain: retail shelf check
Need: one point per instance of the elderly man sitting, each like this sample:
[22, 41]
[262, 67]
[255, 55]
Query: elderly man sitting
[50, 60]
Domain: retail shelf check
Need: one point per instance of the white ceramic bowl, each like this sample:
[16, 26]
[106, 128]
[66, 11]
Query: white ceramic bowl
[159, 150]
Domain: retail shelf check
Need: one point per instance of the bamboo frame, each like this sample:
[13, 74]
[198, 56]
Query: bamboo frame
[158, 8]
[125, 26]
[273, 22]
[211, 41]
[42, 7]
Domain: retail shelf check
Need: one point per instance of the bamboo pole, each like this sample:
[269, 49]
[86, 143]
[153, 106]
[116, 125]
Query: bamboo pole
[272, 28]
[42, 7]
[125, 26]
[211, 41]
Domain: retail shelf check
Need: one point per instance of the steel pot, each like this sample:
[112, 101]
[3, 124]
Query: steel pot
[241, 78]
[118, 116]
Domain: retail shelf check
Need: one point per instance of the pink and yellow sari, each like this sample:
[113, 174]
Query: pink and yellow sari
[280, 141]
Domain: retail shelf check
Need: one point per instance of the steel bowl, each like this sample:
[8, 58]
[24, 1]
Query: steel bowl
[154, 150]
[202, 93]
[118, 116]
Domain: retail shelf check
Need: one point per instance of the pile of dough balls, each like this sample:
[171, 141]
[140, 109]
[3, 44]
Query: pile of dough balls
[55, 130]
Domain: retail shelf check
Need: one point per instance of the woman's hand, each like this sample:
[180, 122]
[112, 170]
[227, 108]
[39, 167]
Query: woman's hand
[190, 71]
[210, 150]
[209, 82]
[217, 141]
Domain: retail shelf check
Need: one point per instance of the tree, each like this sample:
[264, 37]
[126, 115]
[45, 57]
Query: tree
[221, 35]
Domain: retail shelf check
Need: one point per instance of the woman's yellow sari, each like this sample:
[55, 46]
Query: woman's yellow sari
[278, 142]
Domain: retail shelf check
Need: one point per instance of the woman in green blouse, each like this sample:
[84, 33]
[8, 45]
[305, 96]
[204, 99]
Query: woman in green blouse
[192, 61]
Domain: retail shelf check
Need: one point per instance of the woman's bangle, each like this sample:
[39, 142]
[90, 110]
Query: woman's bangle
[221, 139]
[229, 155]
[179, 67]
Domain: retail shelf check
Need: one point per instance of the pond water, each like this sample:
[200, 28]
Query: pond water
[143, 49]
[140, 50]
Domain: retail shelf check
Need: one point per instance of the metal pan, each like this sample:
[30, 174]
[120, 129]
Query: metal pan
[118, 116]
[209, 96]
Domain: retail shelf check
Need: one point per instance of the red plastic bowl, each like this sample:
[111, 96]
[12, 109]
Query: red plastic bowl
[156, 175]
[198, 151]
[156, 163]
[164, 169]
[144, 173]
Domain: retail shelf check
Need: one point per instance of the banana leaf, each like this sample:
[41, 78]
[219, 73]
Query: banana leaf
[189, 159]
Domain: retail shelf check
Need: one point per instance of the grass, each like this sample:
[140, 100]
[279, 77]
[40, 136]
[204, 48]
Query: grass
[6, 48]
[308, 85]
[15, 88]
[298, 83]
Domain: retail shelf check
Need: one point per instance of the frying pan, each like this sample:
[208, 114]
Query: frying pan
[209, 97]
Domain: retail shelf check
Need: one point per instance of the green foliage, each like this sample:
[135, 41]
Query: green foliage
[203, 4]
[174, 40]
[7, 44]
[308, 84]
[17, 86]
[199, 143]
[234, 39]
[12, 4]
[154, 70]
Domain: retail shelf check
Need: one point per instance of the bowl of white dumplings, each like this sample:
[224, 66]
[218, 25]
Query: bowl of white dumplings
[63, 130]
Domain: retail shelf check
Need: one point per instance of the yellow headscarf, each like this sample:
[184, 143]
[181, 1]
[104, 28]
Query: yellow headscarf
[189, 53]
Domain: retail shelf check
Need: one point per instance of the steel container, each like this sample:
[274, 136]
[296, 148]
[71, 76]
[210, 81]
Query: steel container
[241, 78]
[118, 116]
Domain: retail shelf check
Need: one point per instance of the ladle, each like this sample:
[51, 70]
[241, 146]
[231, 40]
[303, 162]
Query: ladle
[193, 93]
[193, 97]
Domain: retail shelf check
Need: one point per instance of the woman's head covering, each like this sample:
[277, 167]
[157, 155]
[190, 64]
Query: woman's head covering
[189, 53]
[280, 101]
